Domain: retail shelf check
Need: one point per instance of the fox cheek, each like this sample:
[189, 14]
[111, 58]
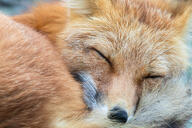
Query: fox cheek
[92, 97]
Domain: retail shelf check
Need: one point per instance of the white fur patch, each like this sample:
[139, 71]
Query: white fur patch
[79, 6]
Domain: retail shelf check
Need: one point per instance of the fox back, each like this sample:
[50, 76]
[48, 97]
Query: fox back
[36, 89]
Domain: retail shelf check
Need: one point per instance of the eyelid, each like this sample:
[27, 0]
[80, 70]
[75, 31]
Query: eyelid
[154, 76]
[102, 55]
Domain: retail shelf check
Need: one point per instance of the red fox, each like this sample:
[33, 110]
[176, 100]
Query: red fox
[131, 48]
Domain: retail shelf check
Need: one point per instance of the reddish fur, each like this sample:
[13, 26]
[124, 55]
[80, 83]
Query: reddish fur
[166, 20]
[34, 82]
[138, 37]
[50, 24]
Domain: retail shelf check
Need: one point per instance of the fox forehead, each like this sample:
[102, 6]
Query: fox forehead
[136, 32]
[134, 43]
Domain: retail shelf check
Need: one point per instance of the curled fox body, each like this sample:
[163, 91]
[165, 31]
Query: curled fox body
[133, 49]
[35, 85]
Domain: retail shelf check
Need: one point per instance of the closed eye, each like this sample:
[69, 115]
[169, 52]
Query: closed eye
[103, 56]
[153, 76]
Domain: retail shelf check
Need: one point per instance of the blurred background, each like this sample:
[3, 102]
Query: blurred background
[13, 7]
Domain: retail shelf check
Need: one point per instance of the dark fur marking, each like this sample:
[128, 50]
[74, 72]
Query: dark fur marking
[91, 96]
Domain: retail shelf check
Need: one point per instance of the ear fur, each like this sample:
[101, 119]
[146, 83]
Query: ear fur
[182, 14]
[85, 7]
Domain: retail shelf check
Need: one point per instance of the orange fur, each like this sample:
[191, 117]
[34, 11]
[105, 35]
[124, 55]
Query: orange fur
[128, 46]
[50, 24]
[35, 86]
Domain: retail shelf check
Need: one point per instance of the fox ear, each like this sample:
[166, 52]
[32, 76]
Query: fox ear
[85, 7]
[182, 14]
[183, 21]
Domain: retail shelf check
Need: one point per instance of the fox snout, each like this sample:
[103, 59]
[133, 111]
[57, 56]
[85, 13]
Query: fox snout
[118, 114]
[121, 112]
[117, 110]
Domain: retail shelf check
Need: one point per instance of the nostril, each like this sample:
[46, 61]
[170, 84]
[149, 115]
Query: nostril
[118, 114]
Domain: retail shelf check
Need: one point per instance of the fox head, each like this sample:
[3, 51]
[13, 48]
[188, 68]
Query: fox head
[128, 46]
[132, 49]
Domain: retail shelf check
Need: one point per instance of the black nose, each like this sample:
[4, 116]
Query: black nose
[118, 114]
